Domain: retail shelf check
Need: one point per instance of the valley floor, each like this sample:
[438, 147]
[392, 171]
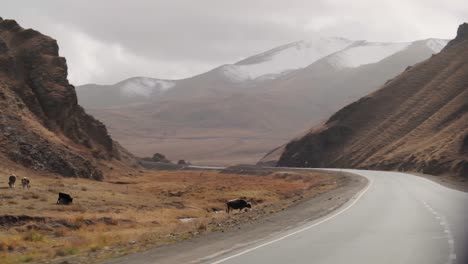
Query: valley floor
[130, 212]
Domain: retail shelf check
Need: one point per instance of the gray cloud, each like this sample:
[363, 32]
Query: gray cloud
[106, 41]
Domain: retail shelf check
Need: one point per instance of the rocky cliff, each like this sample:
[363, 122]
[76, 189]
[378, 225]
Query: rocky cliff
[41, 124]
[418, 121]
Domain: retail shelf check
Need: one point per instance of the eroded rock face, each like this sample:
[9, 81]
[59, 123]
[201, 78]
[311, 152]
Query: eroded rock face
[41, 124]
[310, 150]
[462, 32]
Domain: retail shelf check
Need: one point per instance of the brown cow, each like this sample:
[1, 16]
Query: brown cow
[25, 183]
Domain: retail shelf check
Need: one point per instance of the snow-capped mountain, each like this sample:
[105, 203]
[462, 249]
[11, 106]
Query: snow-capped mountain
[436, 45]
[285, 58]
[341, 53]
[239, 111]
[129, 91]
[143, 86]
[363, 52]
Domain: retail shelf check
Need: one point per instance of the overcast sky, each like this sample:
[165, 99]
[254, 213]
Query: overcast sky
[106, 41]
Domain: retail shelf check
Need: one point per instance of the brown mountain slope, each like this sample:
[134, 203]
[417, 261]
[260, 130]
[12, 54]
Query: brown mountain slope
[418, 121]
[41, 124]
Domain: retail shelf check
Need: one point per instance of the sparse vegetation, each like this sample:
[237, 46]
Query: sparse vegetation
[131, 212]
[33, 236]
[61, 252]
[158, 157]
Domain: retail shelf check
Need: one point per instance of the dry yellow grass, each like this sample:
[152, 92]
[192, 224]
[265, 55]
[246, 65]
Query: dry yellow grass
[126, 213]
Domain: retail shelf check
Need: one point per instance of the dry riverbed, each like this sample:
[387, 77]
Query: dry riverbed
[128, 213]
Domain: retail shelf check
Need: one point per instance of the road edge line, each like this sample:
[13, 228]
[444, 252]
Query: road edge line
[356, 198]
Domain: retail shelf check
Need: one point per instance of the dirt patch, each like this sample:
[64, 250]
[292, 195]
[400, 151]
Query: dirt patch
[18, 220]
[35, 222]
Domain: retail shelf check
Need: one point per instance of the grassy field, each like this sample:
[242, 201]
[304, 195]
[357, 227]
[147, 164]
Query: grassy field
[131, 212]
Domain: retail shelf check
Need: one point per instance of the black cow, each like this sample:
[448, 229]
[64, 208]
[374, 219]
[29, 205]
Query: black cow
[11, 181]
[64, 199]
[237, 204]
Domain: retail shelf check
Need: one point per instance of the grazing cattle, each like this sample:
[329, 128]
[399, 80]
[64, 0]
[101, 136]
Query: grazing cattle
[11, 181]
[64, 199]
[25, 183]
[237, 204]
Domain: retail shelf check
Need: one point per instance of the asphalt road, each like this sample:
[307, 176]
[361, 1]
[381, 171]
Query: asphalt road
[397, 218]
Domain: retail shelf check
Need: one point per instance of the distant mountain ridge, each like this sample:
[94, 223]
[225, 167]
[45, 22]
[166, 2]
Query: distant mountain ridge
[132, 90]
[237, 112]
[266, 66]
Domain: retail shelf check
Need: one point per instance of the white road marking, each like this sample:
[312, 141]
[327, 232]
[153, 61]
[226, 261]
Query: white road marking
[300, 230]
[451, 242]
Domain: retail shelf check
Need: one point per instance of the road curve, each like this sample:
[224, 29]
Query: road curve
[397, 218]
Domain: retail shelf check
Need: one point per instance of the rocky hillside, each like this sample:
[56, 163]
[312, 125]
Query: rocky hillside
[41, 124]
[418, 121]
